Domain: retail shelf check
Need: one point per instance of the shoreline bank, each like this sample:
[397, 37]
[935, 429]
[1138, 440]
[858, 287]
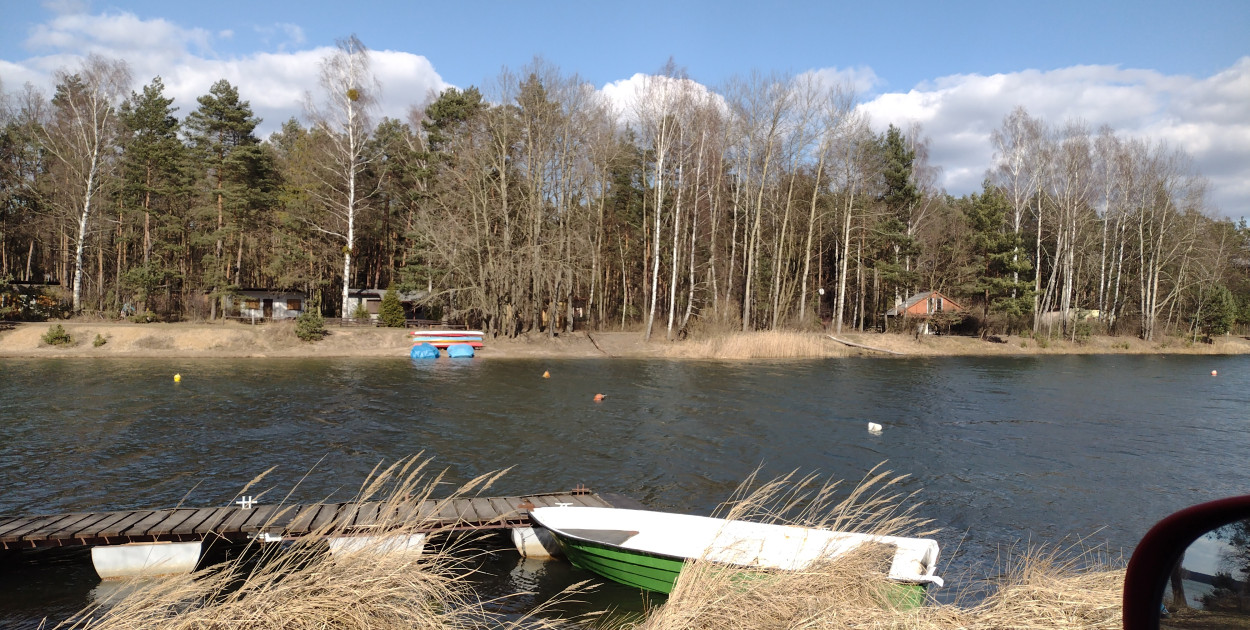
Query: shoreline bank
[236, 340]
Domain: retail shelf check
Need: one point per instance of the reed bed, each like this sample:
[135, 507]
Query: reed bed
[1040, 589]
[773, 344]
[301, 586]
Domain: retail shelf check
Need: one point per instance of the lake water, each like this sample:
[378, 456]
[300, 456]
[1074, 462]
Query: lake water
[1005, 452]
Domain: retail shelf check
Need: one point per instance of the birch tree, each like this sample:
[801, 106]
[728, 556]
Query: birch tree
[81, 134]
[658, 99]
[350, 94]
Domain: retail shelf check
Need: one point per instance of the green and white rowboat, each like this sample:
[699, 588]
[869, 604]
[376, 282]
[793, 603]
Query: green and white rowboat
[647, 549]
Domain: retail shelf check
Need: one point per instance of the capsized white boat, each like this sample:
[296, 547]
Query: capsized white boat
[648, 549]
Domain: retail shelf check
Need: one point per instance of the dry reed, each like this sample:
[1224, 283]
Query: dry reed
[1040, 590]
[300, 585]
[757, 345]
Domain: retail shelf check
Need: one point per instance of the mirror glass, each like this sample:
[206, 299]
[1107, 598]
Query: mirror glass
[1210, 586]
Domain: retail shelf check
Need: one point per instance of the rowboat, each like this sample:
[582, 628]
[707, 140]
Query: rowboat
[445, 333]
[647, 549]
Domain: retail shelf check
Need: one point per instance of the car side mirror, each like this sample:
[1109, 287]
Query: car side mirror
[1192, 569]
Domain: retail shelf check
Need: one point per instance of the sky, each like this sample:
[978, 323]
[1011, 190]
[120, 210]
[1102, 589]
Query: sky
[1174, 72]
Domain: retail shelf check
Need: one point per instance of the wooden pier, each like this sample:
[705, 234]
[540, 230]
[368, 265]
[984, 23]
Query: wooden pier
[280, 522]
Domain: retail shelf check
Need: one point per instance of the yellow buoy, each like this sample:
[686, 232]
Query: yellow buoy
[546, 374]
[177, 378]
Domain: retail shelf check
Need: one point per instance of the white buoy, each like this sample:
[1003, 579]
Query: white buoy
[874, 428]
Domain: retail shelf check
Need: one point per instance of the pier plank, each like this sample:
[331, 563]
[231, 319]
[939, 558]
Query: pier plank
[325, 516]
[346, 517]
[175, 518]
[15, 534]
[141, 527]
[193, 521]
[259, 518]
[282, 517]
[122, 525]
[303, 519]
[427, 509]
[93, 530]
[465, 511]
[234, 522]
[67, 530]
[447, 511]
[505, 507]
[19, 523]
[44, 531]
[216, 520]
[485, 511]
[367, 515]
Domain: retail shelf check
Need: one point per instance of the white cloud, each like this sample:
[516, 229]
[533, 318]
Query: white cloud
[862, 79]
[1207, 117]
[275, 83]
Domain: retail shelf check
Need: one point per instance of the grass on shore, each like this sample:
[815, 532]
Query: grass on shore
[301, 586]
[773, 344]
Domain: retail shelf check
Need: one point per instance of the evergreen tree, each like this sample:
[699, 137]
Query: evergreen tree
[152, 163]
[993, 260]
[392, 312]
[900, 197]
[220, 126]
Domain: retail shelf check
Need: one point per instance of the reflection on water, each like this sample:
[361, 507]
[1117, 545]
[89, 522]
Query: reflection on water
[1003, 450]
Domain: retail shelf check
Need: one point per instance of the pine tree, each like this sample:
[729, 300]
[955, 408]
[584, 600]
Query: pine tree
[151, 168]
[220, 126]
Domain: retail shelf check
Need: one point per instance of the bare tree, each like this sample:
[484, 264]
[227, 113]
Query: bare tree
[350, 92]
[81, 132]
[658, 99]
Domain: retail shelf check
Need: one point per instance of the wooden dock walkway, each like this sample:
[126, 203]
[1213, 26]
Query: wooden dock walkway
[239, 524]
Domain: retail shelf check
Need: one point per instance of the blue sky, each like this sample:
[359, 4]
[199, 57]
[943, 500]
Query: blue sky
[1178, 72]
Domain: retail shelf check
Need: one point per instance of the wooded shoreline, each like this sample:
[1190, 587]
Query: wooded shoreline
[193, 340]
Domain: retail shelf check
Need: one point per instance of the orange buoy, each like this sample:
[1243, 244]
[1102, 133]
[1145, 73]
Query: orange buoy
[1214, 373]
[546, 374]
[599, 397]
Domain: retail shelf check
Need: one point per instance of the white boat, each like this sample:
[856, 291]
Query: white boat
[648, 549]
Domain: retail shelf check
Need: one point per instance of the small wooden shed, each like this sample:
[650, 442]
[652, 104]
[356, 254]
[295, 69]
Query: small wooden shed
[923, 306]
[266, 304]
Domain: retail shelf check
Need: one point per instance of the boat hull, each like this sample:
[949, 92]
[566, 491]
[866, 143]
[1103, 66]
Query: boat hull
[648, 550]
[651, 572]
[657, 573]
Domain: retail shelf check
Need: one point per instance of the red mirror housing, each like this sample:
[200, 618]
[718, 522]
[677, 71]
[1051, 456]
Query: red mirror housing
[1161, 548]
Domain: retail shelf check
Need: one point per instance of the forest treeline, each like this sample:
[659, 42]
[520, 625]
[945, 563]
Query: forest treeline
[531, 204]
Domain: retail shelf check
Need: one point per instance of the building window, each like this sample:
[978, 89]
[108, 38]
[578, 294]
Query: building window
[293, 305]
[251, 303]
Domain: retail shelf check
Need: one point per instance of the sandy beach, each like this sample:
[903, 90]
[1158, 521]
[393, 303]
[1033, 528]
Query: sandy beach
[236, 340]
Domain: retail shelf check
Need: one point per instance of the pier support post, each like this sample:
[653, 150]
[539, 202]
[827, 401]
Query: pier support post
[145, 559]
[535, 542]
[406, 543]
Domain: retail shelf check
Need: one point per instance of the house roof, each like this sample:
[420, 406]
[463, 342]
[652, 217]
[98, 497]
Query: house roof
[379, 293]
[916, 299]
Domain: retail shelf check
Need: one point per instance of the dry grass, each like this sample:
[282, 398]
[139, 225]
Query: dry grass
[1040, 590]
[302, 586]
[757, 345]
